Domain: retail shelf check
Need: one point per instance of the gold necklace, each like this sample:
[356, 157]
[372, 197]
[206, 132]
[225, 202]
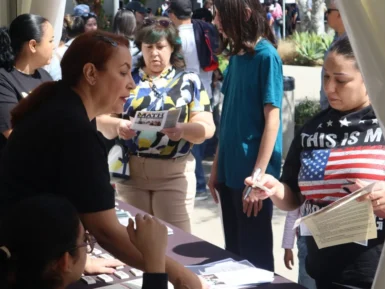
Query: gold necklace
[21, 71]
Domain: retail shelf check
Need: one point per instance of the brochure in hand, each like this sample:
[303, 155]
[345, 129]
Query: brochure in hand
[332, 225]
[155, 120]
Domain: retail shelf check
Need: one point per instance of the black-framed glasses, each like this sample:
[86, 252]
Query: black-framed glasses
[106, 39]
[89, 243]
[331, 10]
[149, 21]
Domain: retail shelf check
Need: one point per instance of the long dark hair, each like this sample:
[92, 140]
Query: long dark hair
[154, 33]
[36, 232]
[124, 23]
[243, 31]
[95, 47]
[23, 28]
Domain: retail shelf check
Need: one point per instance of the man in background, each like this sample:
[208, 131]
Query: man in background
[180, 13]
[335, 22]
[139, 9]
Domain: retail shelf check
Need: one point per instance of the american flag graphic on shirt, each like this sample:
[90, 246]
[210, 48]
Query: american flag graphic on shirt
[324, 171]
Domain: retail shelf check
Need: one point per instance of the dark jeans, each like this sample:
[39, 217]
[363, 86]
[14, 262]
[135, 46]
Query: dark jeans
[251, 238]
[198, 152]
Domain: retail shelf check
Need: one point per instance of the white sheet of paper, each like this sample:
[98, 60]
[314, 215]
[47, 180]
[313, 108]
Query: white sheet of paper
[232, 274]
[137, 284]
[304, 230]
[344, 221]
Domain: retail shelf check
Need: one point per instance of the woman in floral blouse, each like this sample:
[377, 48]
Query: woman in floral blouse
[162, 169]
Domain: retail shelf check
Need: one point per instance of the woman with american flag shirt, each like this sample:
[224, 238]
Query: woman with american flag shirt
[339, 150]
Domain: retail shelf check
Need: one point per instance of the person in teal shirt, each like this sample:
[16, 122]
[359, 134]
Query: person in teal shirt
[250, 130]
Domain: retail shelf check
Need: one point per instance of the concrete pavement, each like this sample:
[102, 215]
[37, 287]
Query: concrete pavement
[207, 225]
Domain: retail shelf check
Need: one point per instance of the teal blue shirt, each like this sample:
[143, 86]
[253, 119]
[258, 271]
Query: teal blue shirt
[251, 82]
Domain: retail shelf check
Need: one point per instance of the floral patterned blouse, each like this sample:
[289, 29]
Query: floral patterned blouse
[186, 93]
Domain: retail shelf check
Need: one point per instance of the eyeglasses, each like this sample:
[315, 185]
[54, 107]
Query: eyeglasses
[331, 10]
[150, 21]
[106, 39]
[89, 242]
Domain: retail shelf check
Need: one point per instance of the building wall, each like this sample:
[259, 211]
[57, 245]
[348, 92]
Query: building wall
[53, 10]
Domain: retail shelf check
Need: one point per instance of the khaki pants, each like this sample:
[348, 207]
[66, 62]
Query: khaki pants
[163, 188]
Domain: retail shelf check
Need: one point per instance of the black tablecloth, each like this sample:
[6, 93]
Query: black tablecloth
[190, 250]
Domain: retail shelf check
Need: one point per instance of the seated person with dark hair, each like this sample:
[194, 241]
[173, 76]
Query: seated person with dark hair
[47, 247]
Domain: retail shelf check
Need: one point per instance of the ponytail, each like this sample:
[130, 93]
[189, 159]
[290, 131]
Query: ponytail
[23, 29]
[75, 25]
[34, 100]
[7, 57]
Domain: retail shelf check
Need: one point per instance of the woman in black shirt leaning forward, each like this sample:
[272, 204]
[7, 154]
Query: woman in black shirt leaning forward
[55, 147]
[25, 48]
[53, 254]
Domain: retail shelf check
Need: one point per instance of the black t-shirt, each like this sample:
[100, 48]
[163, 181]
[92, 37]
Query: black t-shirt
[56, 149]
[14, 86]
[331, 148]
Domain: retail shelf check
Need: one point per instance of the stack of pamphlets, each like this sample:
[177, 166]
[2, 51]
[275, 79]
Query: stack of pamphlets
[223, 274]
[229, 273]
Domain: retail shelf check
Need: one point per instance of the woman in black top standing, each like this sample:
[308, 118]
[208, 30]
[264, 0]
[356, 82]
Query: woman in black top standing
[24, 49]
[55, 147]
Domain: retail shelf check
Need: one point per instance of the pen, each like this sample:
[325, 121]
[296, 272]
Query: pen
[254, 179]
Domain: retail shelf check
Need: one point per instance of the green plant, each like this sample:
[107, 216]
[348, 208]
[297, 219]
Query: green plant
[305, 110]
[223, 62]
[310, 48]
[309, 53]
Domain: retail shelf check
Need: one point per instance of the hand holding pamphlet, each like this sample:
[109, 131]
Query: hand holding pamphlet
[344, 221]
[155, 120]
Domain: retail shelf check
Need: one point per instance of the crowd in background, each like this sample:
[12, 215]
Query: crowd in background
[61, 111]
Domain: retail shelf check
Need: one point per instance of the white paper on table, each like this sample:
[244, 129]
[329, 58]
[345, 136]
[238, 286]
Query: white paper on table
[137, 284]
[232, 274]
[238, 278]
[200, 269]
